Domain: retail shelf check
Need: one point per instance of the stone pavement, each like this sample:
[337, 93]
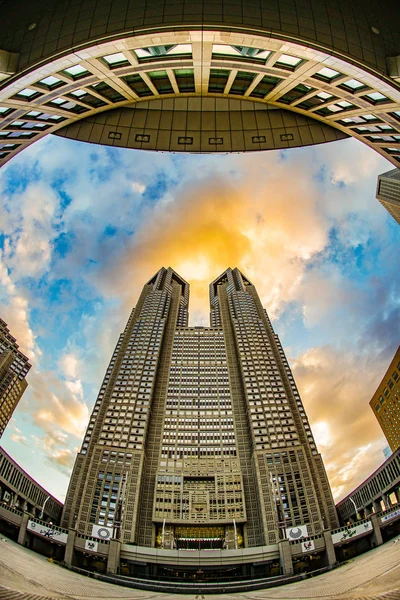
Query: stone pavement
[25, 575]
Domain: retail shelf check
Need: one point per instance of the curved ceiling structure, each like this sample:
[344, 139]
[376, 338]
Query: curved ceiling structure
[184, 75]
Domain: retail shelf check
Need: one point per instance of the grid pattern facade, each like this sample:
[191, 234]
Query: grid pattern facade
[368, 495]
[14, 367]
[385, 403]
[18, 489]
[388, 192]
[324, 63]
[199, 434]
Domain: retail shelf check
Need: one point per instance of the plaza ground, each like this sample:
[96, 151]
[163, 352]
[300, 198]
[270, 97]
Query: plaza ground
[26, 575]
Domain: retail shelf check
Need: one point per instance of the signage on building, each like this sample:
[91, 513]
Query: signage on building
[351, 532]
[392, 515]
[91, 545]
[48, 532]
[307, 546]
[296, 533]
[101, 532]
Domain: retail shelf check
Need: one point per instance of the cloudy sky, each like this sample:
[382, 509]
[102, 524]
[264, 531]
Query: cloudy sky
[82, 228]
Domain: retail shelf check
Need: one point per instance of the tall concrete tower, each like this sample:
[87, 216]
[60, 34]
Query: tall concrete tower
[198, 438]
[14, 367]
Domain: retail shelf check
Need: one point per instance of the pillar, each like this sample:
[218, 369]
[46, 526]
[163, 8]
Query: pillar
[69, 548]
[377, 534]
[377, 506]
[330, 555]
[285, 557]
[114, 551]
[22, 535]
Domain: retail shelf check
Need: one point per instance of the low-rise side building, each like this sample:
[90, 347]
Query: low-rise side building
[20, 491]
[385, 403]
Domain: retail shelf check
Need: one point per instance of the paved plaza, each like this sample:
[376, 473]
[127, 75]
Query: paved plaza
[26, 575]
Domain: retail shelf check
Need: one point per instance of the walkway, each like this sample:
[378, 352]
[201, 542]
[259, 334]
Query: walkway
[25, 575]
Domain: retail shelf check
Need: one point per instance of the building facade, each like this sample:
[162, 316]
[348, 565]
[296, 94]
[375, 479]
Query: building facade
[199, 438]
[14, 367]
[388, 192]
[379, 492]
[20, 491]
[385, 403]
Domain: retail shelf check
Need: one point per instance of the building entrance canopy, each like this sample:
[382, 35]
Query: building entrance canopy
[196, 77]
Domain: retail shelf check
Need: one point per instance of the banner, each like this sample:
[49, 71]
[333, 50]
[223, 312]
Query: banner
[48, 532]
[308, 546]
[351, 532]
[295, 533]
[101, 532]
[392, 515]
[91, 545]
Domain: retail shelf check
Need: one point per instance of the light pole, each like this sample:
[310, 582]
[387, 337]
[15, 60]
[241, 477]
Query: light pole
[355, 507]
[44, 504]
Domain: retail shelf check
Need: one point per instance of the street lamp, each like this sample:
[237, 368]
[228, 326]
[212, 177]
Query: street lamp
[355, 507]
[44, 504]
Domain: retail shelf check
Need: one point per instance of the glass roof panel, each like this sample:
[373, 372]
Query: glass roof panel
[327, 73]
[344, 104]
[376, 96]
[292, 61]
[324, 95]
[76, 70]
[354, 84]
[27, 92]
[112, 59]
[181, 49]
[226, 49]
[50, 81]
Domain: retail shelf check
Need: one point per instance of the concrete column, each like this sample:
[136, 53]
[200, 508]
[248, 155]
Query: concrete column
[377, 506]
[69, 548]
[377, 535]
[285, 557]
[330, 555]
[114, 551]
[22, 535]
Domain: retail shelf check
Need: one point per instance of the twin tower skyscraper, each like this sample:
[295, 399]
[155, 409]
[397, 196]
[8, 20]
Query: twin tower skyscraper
[198, 437]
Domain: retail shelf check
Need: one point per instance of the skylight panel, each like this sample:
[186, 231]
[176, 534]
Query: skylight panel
[27, 92]
[345, 104]
[225, 49]
[76, 71]
[291, 61]
[181, 49]
[334, 108]
[354, 84]
[327, 73]
[376, 97]
[115, 59]
[51, 81]
[324, 95]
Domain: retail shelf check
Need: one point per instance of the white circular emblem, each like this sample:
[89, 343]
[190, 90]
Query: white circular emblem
[103, 533]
